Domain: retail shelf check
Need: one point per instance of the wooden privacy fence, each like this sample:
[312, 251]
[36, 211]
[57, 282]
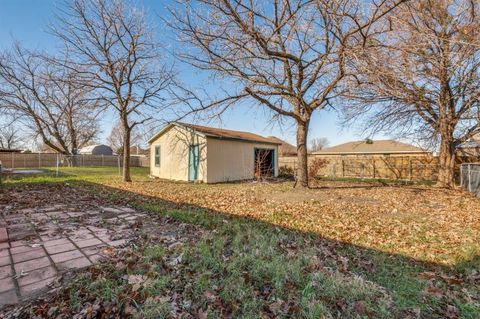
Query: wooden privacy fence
[35, 160]
[415, 168]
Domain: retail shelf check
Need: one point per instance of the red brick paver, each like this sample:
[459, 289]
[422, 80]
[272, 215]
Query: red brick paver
[3, 235]
[5, 271]
[69, 255]
[6, 284]
[88, 242]
[59, 248]
[74, 263]
[5, 260]
[33, 253]
[33, 264]
[37, 275]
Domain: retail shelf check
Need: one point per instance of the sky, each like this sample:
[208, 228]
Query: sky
[26, 20]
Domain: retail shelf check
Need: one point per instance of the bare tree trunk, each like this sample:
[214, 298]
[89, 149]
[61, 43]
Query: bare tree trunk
[126, 150]
[446, 170]
[302, 170]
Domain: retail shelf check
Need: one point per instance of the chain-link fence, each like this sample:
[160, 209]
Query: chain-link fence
[470, 177]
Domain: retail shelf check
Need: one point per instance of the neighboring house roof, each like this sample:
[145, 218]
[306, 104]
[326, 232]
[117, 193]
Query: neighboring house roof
[89, 149]
[372, 147]
[218, 133]
[7, 150]
[285, 148]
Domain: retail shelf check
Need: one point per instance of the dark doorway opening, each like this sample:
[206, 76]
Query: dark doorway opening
[264, 162]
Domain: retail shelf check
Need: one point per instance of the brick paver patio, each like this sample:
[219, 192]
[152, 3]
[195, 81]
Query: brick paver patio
[38, 245]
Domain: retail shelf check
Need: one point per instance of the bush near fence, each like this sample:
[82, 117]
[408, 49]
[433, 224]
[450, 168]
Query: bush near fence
[36, 160]
[414, 168]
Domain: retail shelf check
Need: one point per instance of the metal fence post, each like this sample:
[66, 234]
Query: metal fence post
[13, 160]
[57, 165]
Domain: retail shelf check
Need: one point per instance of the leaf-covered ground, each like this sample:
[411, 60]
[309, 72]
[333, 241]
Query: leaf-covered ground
[341, 250]
[424, 223]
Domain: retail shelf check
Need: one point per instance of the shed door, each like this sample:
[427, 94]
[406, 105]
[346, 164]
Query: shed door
[193, 161]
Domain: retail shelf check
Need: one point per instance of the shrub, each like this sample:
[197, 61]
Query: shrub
[315, 166]
[285, 171]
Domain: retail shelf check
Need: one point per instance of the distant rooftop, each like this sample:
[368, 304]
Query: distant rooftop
[285, 148]
[372, 147]
[9, 150]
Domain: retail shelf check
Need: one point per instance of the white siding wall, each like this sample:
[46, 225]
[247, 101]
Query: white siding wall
[174, 145]
[230, 160]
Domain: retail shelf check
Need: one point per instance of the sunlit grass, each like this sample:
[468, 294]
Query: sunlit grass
[75, 174]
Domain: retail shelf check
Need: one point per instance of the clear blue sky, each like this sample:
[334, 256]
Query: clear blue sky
[26, 20]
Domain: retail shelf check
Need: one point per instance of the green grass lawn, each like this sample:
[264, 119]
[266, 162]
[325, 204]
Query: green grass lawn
[72, 174]
[263, 254]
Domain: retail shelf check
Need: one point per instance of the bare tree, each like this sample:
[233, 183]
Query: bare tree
[111, 43]
[318, 143]
[10, 137]
[288, 55]
[423, 77]
[116, 138]
[47, 100]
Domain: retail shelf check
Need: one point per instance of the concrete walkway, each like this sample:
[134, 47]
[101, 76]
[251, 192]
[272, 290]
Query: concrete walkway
[38, 245]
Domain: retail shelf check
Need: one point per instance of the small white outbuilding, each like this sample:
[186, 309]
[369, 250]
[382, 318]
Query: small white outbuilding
[99, 149]
[188, 152]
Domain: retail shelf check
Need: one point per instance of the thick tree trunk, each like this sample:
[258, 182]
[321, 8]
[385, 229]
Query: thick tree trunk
[302, 169]
[446, 169]
[126, 151]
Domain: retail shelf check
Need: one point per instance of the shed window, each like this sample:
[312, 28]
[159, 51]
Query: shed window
[157, 156]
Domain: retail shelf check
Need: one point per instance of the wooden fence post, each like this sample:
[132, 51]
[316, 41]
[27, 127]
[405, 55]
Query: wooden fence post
[461, 175]
[374, 168]
[469, 178]
[343, 167]
[409, 168]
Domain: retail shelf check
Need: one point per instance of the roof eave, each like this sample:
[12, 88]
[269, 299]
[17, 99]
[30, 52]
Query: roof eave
[168, 126]
[241, 140]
